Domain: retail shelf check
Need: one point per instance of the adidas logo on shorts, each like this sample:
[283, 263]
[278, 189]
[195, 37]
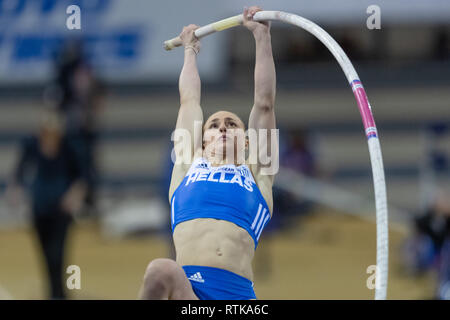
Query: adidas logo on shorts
[196, 277]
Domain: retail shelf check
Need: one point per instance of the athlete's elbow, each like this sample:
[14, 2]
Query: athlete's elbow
[264, 101]
[264, 106]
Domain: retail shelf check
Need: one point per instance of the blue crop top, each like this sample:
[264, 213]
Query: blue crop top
[225, 193]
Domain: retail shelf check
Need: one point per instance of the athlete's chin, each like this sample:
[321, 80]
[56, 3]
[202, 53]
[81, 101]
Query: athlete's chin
[225, 146]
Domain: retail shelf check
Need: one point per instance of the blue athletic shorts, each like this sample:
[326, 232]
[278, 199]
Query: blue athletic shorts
[211, 283]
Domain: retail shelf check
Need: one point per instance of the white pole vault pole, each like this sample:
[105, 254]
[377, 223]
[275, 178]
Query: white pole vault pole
[364, 108]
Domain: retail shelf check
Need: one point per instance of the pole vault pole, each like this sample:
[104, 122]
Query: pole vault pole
[364, 109]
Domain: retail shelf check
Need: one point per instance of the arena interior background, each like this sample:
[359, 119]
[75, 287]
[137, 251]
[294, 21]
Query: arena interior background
[320, 254]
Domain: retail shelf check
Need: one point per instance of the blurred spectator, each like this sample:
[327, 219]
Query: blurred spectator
[81, 98]
[442, 43]
[429, 246]
[297, 155]
[51, 167]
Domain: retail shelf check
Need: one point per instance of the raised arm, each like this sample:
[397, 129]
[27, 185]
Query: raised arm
[190, 115]
[189, 82]
[262, 115]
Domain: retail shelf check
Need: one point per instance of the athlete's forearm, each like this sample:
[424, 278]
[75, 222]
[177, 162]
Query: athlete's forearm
[189, 82]
[265, 78]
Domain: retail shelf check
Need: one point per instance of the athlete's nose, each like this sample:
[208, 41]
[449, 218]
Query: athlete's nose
[223, 128]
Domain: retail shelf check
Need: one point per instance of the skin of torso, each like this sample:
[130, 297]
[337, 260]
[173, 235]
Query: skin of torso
[218, 243]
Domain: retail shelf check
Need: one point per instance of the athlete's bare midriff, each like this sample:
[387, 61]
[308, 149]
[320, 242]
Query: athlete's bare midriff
[214, 243]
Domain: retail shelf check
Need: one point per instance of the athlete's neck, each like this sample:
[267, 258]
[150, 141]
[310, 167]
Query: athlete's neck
[219, 161]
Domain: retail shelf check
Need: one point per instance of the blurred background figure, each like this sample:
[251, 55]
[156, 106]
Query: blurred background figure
[428, 247]
[79, 97]
[115, 89]
[54, 173]
[296, 154]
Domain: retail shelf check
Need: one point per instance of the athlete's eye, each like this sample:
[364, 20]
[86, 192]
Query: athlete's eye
[232, 124]
[213, 125]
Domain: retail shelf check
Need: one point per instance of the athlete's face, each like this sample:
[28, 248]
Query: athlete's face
[224, 132]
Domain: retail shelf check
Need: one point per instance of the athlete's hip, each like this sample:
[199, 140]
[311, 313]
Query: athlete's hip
[211, 283]
[235, 266]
